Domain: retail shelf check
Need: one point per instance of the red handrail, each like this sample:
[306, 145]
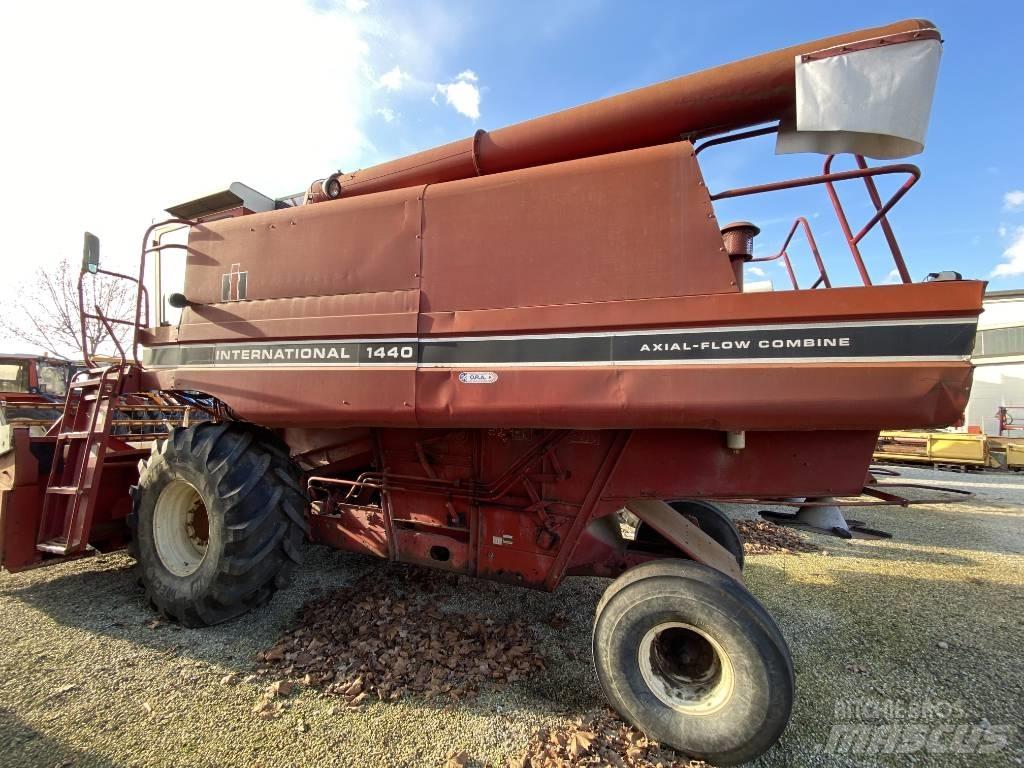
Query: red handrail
[141, 296]
[140, 320]
[829, 178]
[142, 261]
[880, 211]
[784, 255]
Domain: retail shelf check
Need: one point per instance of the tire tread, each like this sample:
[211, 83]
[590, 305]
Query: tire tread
[262, 501]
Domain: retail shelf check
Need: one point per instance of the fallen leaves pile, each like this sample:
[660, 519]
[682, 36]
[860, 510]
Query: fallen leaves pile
[384, 637]
[761, 537]
[598, 739]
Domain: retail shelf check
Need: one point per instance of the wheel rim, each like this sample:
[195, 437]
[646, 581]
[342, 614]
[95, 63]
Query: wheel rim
[686, 669]
[181, 528]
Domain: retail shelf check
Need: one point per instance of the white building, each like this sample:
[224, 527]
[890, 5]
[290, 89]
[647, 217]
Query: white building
[999, 360]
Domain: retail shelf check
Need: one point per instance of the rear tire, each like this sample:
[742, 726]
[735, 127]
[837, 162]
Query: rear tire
[709, 518]
[693, 660]
[683, 569]
[218, 521]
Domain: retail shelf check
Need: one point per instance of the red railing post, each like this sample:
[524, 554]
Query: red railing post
[829, 178]
[146, 250]
[783, 253]
[844, 223]
[890, 236]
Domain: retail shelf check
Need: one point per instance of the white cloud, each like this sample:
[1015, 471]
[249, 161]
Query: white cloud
[387, 114]
[1014, 257]
[462, 94]
[1013, 199]
[394, 79]
[755, 271]
[356, 6]
[893, 277]
[1002, 230]
[150, 130]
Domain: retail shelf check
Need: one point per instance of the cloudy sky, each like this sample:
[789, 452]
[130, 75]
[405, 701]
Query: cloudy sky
[113, 111]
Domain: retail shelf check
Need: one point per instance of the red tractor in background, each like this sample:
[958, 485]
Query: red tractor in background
[33, 388]
[474, 358]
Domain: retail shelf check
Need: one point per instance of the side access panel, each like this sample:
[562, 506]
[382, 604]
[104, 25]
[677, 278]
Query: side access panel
[21, 500]
[24, 463]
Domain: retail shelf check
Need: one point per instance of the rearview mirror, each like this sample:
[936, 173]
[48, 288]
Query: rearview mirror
[91, 253]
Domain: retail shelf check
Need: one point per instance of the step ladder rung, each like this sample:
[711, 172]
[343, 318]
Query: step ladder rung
[64, 490]
[53, 546]
[74, 435]
[83, 383]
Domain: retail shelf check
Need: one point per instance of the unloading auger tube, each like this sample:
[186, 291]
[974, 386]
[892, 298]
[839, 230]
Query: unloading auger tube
[757, 90]
[523, 356]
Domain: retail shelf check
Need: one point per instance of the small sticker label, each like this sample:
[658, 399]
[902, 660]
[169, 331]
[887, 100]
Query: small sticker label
[478, 377]
[501, 541]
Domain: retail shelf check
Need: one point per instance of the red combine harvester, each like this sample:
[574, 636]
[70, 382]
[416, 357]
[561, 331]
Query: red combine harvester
[475, 357]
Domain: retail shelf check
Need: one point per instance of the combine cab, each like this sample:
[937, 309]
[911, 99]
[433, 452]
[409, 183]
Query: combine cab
[476, 357]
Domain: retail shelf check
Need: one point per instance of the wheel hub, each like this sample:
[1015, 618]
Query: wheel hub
[685, 668]
[181, 528]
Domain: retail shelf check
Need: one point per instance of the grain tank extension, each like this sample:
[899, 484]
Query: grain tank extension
[475, 358]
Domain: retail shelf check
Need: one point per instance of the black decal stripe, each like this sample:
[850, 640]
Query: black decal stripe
[899, 340]
[592, 349]
[863, 341]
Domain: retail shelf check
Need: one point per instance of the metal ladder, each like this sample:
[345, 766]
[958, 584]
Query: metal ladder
[78, 457]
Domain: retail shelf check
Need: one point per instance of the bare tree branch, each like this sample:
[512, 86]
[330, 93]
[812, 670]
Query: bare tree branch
[46, 313]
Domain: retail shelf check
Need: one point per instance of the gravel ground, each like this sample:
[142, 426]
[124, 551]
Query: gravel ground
[923, 631]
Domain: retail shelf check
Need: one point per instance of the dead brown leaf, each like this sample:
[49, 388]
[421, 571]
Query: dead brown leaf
[761, 537]
[385, 637]
[581, 742]
[598, 739]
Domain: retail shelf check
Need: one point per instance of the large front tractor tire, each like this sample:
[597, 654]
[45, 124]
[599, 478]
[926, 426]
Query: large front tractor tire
[218, 521]
[691, 658]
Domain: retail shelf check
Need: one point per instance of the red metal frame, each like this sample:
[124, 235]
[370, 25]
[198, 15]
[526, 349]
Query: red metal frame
[531, 506]
[829, 179]
[881, 493]
[868, 174]
[1006, 419]
[141, 297]
[783, 254]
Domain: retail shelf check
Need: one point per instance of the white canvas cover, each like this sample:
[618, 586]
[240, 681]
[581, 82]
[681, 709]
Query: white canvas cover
[873, 102]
